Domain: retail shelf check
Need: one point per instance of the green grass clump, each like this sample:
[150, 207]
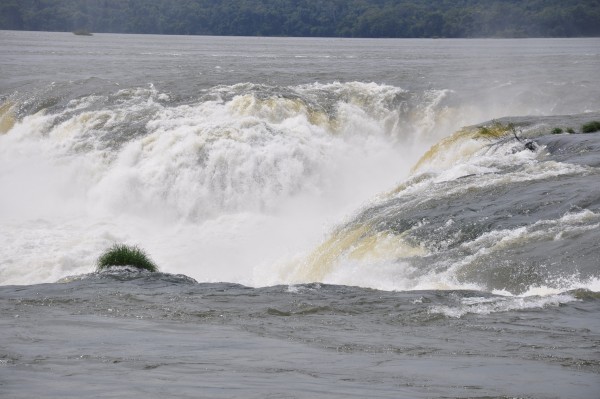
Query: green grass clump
[124, 255]
[557, 130]
[570, 130]
[590, 127]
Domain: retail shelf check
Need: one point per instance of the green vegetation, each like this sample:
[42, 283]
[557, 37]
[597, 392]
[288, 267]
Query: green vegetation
[123, 255]
[570, 130]
[591, 127]
[557, 130]
[333, 18]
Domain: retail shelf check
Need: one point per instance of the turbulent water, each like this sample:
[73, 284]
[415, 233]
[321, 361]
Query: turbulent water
[331, 217]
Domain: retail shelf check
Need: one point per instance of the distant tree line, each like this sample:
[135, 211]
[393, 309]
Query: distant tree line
[334, 18]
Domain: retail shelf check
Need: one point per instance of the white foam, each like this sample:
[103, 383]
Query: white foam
[233, 187]
[219, 190]
[486, 306]
[564, 284]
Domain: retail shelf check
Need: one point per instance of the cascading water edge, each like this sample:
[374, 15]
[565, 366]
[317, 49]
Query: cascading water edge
[481, 211]
[215, 186]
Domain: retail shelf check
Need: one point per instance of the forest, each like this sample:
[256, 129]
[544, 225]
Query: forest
[326, 18]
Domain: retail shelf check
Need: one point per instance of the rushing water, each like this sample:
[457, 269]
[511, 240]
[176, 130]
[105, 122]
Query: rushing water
[325, 224]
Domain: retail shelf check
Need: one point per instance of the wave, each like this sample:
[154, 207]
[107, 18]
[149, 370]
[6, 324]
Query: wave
[488, 305]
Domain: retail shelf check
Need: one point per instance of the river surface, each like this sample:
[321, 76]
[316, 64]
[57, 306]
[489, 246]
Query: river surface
[331, 218]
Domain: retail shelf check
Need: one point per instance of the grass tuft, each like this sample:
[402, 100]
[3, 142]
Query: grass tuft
[557, 130]
[124, 255]
[590, 127]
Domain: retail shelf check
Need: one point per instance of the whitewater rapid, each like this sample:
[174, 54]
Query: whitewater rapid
[212, 188]
[242, 184]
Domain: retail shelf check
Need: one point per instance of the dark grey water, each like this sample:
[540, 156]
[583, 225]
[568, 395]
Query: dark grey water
[159, 335]
[350, 238]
